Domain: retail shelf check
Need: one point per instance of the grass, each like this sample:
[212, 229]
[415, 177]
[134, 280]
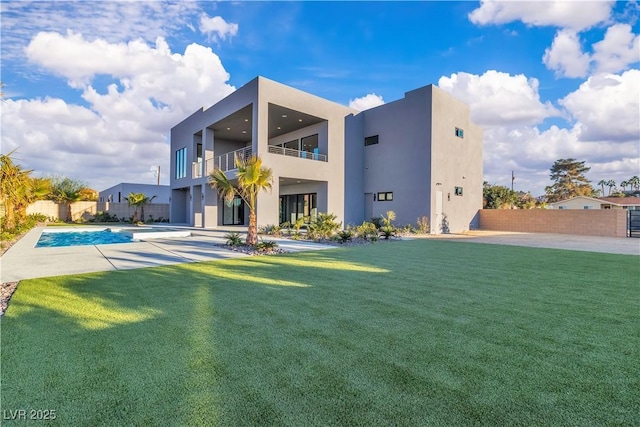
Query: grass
[407, 333]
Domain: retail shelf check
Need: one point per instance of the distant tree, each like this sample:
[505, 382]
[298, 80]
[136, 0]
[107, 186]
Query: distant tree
[602, 183]
[611, 184]
[624, 185]
[138, 200]
[568, 180]
[526, 201]
[66, 190]
[88, 195]
[37, 189]
[498, 196]
[634, 183]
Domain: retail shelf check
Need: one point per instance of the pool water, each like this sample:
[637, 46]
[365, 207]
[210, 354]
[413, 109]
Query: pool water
[80, 238]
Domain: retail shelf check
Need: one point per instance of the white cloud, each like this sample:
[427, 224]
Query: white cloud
[217, 27]
[508, 108]
[499, 99]
[608, 107]
[565, 55]
[619, 48]
[124, 127]
[575, 15]
[364, 103]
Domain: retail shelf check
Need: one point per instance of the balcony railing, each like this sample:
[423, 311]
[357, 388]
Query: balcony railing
[197, 169]
[227, 161]
[297, 153]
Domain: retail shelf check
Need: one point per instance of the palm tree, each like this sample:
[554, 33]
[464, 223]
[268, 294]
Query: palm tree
[634, 183]
[602, 183]
[252, 178]
[624, 185]
[611, 184]
[138, 199]
[66, 190]
[14, 182]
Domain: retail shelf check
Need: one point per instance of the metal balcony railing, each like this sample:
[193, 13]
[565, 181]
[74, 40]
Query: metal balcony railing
[227, 161]
[297, 153]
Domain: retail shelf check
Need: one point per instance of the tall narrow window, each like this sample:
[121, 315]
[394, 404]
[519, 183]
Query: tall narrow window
[181, 163]
[459, 133]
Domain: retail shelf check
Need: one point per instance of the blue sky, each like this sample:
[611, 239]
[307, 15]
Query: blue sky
[92, 88]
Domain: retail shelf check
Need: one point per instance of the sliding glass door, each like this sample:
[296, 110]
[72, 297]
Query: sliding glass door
[233, 214]
[296, 206]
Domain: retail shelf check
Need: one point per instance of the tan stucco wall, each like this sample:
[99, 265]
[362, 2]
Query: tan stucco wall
[596, 222]
[87, 210]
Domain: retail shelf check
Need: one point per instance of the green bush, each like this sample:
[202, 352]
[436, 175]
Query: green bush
[104, 217]
[323, 226]
[367, 231]
[270, 229]
[423, 225]
[344, 236]
[233, 239]
[266, 245]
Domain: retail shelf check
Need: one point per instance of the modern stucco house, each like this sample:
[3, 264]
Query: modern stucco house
[418, 156]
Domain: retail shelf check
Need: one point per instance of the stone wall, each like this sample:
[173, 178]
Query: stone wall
[587, 222]
[87, 210]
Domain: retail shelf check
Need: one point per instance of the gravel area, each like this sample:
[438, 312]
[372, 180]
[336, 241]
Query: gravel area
[6, 291]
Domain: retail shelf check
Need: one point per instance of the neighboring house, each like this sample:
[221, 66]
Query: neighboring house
[417, 156]
[117, 193]
[583, 202]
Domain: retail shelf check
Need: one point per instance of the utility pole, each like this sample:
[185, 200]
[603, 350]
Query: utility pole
[513, 178]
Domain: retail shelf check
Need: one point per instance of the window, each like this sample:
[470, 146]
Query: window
[297, 206]
[459, 133]
[371, 140]
[586, 207]
[181, 163]
[386, 196]
[458, 191]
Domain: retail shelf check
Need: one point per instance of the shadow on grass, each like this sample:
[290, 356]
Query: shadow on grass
[418, 333]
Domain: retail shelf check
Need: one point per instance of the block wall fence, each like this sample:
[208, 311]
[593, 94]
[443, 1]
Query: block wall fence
[87, 210]
[586, 222]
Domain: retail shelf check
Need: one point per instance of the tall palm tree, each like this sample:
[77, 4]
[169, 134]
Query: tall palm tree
[624, 185]
[14, 183]
[602, 183]
[252, 178]
[634, 183]
[138, 200]
[611, 184]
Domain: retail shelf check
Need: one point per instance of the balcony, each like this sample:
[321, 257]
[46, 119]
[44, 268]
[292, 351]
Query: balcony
[273, 149]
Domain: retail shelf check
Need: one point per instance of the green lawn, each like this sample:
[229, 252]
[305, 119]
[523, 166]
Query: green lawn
[424, 332]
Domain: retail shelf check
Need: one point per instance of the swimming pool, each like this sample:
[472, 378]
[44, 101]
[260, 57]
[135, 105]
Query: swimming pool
[82, 238]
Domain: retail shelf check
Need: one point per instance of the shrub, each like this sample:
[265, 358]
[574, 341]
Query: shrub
[233, 239]
[423, 225]
[344, 236]
[388, 230]
[323, 226]
[266, 245]
[367, 231]
[271, 230]
[104, 217]
[377, 221]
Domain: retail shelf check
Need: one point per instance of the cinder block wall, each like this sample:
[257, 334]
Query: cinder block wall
[87, 210]
[587, 222]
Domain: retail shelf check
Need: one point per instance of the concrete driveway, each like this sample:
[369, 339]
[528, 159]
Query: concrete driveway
[612, 245]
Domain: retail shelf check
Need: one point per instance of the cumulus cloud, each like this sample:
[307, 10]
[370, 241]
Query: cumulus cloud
[510, 112]
[364, 103]
[499, 99]
[608, 107]
[123, 127]
[565, 55]
[216, 27]
[619, 48]
[575, 15]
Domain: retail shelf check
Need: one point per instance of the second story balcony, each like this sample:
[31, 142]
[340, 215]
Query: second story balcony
[274, 149]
